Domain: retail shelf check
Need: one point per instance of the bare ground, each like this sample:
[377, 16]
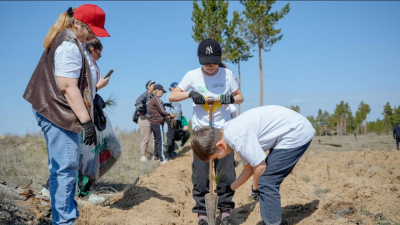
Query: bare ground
[357, 183]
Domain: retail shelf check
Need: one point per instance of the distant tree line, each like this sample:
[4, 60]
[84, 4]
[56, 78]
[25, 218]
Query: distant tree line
[343, 122]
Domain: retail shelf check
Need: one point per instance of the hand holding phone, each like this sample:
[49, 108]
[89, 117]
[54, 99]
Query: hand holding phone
[109, 74]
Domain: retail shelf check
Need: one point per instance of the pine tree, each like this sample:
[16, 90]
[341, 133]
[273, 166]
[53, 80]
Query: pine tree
[236, 47]
[210, 21]
[260, 28]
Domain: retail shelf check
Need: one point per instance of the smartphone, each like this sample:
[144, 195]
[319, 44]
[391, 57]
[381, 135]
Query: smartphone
[109, 74]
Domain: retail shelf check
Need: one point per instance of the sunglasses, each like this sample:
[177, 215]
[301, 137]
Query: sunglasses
[97, 53]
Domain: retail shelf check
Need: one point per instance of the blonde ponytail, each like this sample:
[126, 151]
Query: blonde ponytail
[63, 22]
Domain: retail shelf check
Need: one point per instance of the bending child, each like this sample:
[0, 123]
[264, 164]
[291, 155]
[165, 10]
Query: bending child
[282, 131]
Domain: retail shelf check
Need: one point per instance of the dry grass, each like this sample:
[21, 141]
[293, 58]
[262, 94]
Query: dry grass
[25, 158]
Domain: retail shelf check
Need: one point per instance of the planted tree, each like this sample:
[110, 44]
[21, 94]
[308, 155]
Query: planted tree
[236, 47]
[259, 28]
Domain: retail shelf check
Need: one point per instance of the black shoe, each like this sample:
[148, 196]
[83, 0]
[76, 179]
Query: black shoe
[202, 222]
[173, 155]
[226, 221]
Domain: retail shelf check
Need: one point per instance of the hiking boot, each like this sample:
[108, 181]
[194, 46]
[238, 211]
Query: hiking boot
[202, 222]
[226, 221]
[143, 158]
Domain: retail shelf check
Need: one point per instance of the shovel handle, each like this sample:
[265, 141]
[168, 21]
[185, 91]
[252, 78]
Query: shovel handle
[210, 100]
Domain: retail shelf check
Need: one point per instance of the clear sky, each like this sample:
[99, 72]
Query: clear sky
[330, 51]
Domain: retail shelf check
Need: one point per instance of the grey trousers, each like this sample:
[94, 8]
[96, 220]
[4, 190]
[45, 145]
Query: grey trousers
[145, 130]
[280, 163]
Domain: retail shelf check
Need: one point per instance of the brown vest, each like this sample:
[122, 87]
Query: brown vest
[45, 95]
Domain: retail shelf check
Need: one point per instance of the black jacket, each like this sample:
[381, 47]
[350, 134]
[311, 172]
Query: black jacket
[396, 132]
[144, 100]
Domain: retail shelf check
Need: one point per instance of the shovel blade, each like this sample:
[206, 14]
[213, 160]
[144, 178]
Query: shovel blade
[211, 208]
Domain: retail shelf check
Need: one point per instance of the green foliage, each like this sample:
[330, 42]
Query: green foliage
[315, 123]
[259, 28]
[295, 108]
[342, 111]
[236, 48]
[210, 20]
[260, 23]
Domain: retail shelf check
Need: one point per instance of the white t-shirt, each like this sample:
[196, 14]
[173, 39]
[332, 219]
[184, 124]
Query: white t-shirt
[68, 63]
[216, 85]
[260, 129]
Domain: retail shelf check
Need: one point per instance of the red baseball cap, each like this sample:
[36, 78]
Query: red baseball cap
[94, 17]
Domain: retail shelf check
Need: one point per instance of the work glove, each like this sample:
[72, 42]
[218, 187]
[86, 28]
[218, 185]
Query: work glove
[89, 133]
[223, 188]
[197, 98]
[169, 105]
[255, 194]
[227, 98]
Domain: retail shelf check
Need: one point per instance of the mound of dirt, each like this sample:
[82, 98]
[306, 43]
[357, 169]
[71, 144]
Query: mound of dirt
[326, 187]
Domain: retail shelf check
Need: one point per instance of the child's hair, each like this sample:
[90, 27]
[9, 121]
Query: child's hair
[95, 43]
[204, 141]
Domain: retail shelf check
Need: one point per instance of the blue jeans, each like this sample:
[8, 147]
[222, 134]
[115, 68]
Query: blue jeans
[280, 163]
[63, 159]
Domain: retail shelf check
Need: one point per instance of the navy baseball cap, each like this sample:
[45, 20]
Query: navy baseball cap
[209, 52]
[174, 85]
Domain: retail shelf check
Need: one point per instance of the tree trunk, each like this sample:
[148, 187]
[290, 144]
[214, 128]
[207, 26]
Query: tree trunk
[18, 205]
[240, 87]
[261, 75]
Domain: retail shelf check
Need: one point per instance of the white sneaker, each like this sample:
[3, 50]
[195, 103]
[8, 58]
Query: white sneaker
[143, 158]
[95, 199]
[45, 193]
[163, 162]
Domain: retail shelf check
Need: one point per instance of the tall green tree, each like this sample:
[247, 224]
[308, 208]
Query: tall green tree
[260, 29]
[295, 108]
[210, 20]
[361, 116]
[341, 118]
[388, 118]
[236, 48]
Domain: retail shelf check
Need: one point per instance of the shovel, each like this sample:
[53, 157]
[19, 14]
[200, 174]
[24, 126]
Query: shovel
[211, 197]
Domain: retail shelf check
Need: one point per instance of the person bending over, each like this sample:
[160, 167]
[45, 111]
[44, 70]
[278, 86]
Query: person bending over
[283, 132]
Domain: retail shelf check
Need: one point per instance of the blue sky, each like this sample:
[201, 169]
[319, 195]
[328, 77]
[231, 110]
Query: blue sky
[330, 51]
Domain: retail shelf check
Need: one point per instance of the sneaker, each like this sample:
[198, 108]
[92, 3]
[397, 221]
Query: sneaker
[163, 162]
[156, 160]
[143, 158]
[202, 222]
[96, 199]
[226, 221]
[173, 155]
[45, 193]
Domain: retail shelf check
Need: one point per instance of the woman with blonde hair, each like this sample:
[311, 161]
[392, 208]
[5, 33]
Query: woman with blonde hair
[61, 91]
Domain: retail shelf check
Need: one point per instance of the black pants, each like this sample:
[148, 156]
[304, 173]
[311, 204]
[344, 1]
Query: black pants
[397, 143]
[158, 131]
[185, 137]
[200, 181]
[174, 135]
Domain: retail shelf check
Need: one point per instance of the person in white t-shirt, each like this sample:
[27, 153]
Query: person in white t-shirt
[210, 80]
[283, 132]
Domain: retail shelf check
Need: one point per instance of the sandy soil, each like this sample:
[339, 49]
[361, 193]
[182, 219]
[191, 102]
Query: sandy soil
[352, 184]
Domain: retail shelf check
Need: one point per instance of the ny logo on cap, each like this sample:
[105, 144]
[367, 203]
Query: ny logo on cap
[209, 50]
